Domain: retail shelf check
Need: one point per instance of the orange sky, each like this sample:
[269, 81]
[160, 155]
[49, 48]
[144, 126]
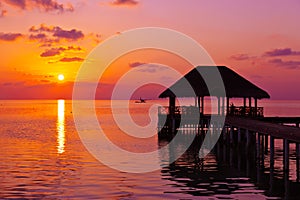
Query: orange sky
[41, 39]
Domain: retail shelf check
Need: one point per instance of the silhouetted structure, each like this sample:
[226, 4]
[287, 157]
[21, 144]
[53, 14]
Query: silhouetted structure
[235, 87]
[244, 125]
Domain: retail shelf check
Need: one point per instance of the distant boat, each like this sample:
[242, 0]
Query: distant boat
[140, 101]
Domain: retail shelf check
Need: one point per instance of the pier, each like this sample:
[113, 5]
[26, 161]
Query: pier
[245, 129]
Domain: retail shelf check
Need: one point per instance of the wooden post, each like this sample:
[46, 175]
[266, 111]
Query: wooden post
[202, 105]
[227, 104]
[172, 114]
[298, 161]
[224, 134]
[219, 105]
[239, 136]
[286, 155]
[231, 135]
[255, 107]
[199, 105]
[258, 148]
[266, 144]
[248, 139]
[272, 152]
[196, 105]
[245, 101]
[172, 106]
[250, 106]
[286, 167]
[223, 106]
[262, 151]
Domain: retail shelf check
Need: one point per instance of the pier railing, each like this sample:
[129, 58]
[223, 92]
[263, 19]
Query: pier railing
[236, 111]
[246, 111]
[178, 110]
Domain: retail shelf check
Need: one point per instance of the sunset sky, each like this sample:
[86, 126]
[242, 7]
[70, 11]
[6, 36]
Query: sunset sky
[40, 39]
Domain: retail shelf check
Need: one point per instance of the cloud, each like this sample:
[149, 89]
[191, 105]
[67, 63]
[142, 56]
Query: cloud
[124, 3]
[282, 52]
[51, 52]
[73, 59]
[16, 3]
[291, 64]
[68, 34]
[147, 67]
[136, 64]
[40, 36]
[42, 28]
[58, 32]
[57, 51]
[43, 5]
[10, 36]
[18, 83]
[240, 57]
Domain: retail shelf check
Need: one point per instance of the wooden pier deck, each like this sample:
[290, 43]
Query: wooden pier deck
[268, 128]
[283, 120]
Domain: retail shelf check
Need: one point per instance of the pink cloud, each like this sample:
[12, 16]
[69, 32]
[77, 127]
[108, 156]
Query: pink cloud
[290, 64]
[67, 34]
[58, 32]
[240, 56]
[124, 3]
[73, 59]
[282, 52]
[57, 51]
[43, 5]
[51, 52]
[10, 36]
[136, 64]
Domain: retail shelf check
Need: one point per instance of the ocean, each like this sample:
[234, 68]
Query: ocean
[42, 157]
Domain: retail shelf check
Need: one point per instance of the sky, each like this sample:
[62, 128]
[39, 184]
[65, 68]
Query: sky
[40, 39]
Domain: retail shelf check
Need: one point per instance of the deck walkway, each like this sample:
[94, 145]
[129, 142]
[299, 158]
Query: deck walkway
[287, 120]
[276, 130]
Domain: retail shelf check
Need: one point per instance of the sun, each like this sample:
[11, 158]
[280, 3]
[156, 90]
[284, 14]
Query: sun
[61, 77]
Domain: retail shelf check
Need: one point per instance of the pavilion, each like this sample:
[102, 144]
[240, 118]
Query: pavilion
[235, 86]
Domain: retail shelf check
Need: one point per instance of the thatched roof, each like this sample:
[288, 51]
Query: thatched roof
[235, 85]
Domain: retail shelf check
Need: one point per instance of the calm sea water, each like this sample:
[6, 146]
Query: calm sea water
[42, 157]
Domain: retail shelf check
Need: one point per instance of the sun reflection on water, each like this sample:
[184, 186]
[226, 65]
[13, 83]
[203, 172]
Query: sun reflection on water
[60, 126]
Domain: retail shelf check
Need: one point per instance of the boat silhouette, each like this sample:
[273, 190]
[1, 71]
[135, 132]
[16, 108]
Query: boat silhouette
[140, 101]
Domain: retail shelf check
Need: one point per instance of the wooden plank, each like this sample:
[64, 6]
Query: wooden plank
[273, 129]
[291, 120]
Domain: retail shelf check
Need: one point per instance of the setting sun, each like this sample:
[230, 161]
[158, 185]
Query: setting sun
[61, 77]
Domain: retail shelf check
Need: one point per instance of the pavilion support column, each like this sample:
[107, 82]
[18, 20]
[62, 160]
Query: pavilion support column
[202, 105]
[227, 104]
[272, 153]
[286, 167]
[219, 105]
[199, 105]
[298, 161]
[172, 114]
[245, 105]
[172, 106]
[255, 107]
[286, 156]
[250, 106]
[196, 105]
[223, 106]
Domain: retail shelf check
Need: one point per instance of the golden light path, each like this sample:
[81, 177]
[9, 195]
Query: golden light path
[60, 126]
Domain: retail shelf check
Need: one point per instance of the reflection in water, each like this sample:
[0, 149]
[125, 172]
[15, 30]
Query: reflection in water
[60, 126]
[227, 172]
